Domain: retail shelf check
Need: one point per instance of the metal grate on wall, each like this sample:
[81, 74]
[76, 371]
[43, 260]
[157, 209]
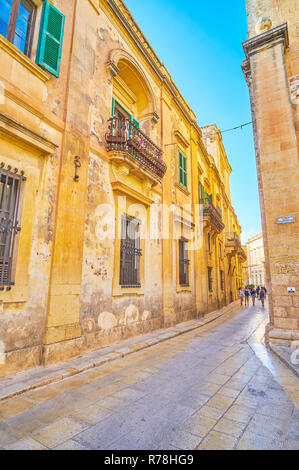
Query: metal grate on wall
[184, 262]
[11, 180]
[130, 252]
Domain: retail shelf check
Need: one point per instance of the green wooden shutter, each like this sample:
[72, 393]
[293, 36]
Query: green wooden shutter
[113, 107]
[202, 192]
[50, 39]
[185, 171]
[182, 170]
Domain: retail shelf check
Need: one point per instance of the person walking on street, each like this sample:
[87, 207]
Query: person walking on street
[253, 296]
[241, 295]
[246, 293]
[258, 290]
[262, 296]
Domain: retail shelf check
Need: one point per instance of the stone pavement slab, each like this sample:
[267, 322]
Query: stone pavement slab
[37, 377]
[212, 391]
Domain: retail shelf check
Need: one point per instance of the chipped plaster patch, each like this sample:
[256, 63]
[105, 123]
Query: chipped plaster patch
[131, 314]
[106, 321]
[2, 353]
[88, 325]
[146, 315]
[294, 89]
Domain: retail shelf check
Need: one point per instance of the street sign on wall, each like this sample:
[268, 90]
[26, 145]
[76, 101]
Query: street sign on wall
[286, 220]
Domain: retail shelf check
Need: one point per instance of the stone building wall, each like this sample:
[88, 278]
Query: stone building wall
[271, 69]
[66, 298]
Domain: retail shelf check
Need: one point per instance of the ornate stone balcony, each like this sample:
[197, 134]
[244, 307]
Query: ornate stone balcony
[242, 254]
[211, 216]
[232, 243]
[130, 146]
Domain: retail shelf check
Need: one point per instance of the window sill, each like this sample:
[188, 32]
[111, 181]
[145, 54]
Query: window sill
[186, 288]
[183, 189]
[10, 49]
[136, 286]
[123, 291]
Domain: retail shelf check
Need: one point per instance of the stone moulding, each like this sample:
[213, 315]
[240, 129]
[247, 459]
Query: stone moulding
[268, 39]
[23, 59]
[247, 71]
[179, 136]
[19, 132]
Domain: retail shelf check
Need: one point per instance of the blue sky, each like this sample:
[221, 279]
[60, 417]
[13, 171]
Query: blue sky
[200, 43]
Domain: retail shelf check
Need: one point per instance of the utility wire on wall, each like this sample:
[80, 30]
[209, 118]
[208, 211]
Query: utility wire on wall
[238, 127]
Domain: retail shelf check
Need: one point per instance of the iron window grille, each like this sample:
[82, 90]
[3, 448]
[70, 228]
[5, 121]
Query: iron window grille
[130, 252]
[10, 190]
[210, 280]
[183, 262]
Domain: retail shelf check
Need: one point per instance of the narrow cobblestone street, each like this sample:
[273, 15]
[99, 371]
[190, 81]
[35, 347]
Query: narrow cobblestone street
[216, 387]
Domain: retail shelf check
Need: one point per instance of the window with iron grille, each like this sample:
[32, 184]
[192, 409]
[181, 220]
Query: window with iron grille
[210, 280]
[222, 280]
[183, 262]
[130, 252]
[10, 190]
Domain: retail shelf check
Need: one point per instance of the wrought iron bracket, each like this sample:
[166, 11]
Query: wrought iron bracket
[77, 164]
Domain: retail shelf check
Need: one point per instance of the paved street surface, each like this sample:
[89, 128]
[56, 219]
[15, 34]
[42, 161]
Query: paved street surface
[216, 387]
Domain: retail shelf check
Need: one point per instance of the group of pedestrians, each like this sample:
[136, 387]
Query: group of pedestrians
[252, 293]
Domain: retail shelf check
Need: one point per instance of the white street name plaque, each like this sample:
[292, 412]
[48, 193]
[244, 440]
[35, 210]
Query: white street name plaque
[286, 220]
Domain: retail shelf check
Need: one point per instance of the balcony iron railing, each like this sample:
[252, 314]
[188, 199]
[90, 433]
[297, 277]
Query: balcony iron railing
[210, 211]
[242, 254]
[124, 136]
[232, 240]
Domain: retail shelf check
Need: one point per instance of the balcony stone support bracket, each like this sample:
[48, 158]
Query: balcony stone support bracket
[212, 220]
[124, 169]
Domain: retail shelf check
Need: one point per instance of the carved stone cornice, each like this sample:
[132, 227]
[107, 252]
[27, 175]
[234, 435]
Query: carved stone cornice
[179, 136]
[112, 68]
[155, 117]
[271, 38]
[17, 131]
[247, 71]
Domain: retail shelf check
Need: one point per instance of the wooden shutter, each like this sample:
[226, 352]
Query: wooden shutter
[185, 171]
[180, 169]
[50, 39]
[201, 191]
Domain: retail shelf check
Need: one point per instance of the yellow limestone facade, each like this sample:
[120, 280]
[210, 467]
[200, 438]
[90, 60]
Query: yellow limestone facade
[106, 146]
[271, 69]
[256, 260]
